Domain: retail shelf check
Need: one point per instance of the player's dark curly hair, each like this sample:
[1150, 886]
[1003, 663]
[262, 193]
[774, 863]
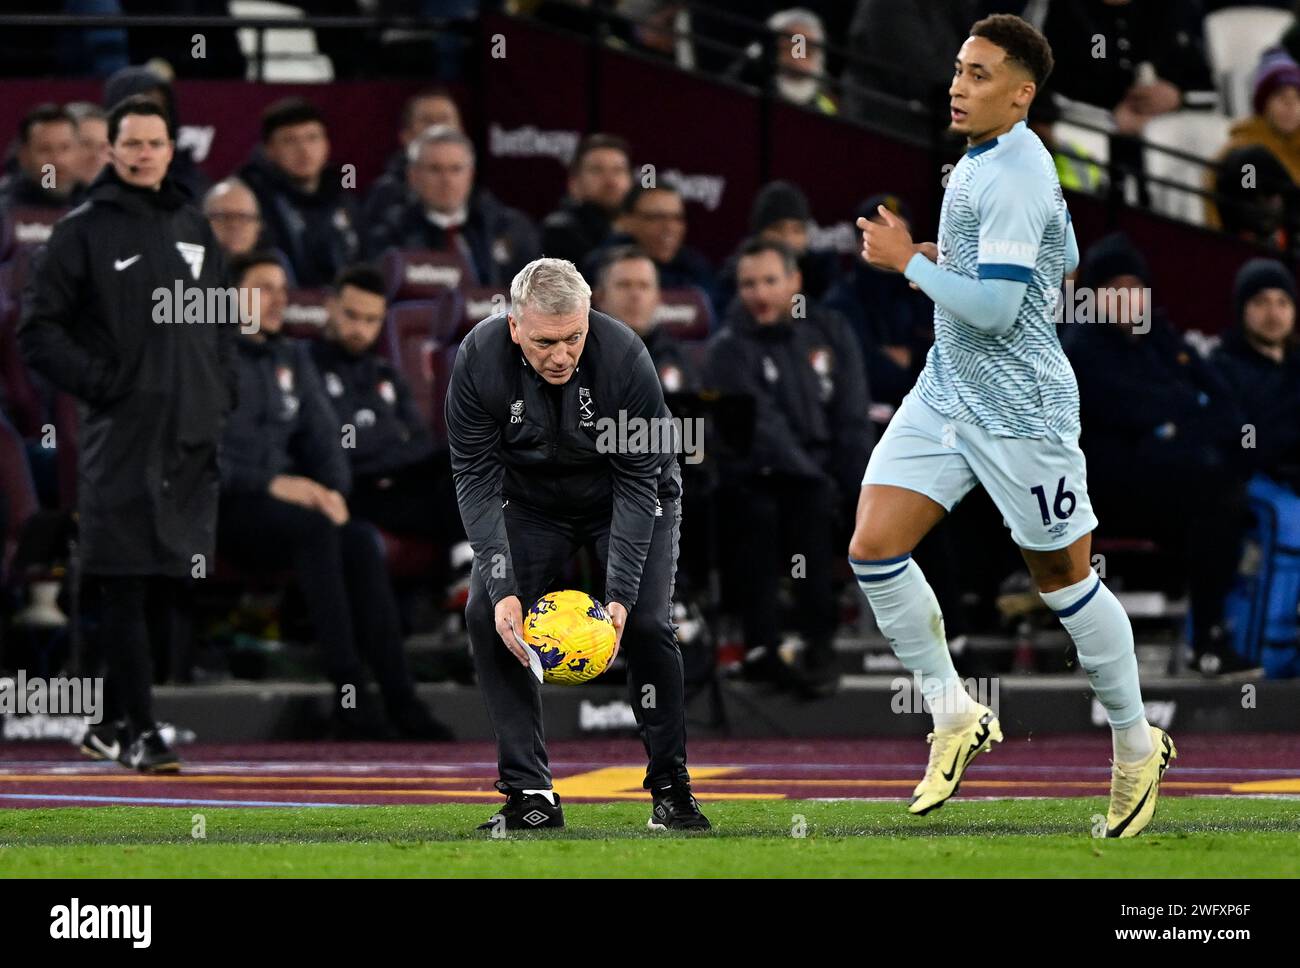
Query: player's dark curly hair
[1022, 42]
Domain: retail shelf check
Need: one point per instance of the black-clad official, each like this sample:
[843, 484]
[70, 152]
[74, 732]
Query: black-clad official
[530, 391]
[102, 322]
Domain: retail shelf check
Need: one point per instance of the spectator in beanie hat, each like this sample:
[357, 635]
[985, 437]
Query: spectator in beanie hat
[1275, 125]
[1260, 360]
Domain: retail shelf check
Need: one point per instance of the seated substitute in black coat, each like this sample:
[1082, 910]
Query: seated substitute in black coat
[812, 438]
[600, 177]
[628, 290]
[306, 212]
[1259, 358]
[539, 474]
[102, 323]
[284, 479]
[400, 481]
[1162, 436]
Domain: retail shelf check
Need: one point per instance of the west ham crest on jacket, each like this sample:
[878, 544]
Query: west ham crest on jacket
[586, 408]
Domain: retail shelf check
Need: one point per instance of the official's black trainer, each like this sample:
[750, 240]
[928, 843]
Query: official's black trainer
[107, 741]
[151, 754]
[527, 811]
[675, 809]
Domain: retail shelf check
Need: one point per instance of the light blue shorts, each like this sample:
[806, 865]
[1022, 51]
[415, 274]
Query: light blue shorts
[1039, 484]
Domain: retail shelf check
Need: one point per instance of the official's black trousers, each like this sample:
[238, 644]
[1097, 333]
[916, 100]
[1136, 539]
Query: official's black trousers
[540, 544]
[136, 612]
[343, 579]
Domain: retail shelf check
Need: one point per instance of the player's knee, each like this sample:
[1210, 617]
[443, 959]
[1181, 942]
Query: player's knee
[867, 545]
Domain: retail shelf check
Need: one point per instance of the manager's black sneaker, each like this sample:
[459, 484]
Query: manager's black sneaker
[107, 741]
[676, 809]
[151, 754]
[527, 811]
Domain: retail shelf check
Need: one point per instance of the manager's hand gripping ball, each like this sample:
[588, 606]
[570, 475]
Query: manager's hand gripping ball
[572, 635]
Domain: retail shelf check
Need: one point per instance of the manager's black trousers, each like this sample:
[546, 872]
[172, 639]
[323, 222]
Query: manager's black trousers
[540, 544]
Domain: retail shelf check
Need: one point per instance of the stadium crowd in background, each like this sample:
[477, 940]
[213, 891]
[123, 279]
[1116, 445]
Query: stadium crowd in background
[822, 346]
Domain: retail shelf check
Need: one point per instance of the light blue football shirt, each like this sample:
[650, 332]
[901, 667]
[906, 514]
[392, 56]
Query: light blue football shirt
[1004, 217]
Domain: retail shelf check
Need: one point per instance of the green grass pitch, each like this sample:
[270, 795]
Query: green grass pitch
[1190, 837]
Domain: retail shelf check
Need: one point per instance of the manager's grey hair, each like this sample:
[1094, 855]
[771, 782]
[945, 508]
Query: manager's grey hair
[438, 134]
[553, 287]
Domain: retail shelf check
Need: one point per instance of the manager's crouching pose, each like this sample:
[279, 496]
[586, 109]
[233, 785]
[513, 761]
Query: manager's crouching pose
[528, 391]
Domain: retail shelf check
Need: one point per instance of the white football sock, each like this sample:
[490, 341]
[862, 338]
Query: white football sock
[1132, 744]
[549, 794]
[1103, 637]
[908, 615]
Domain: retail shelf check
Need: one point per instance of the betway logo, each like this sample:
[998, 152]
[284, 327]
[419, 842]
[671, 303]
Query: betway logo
[27, 233]
[614, 714]
[1005, 250]
[428, 274]
[483, 308]
[1158, 712]
[680, 313]
[840, 237]
[705, 189]
[529, 142]
[102, 922]
[306, 313]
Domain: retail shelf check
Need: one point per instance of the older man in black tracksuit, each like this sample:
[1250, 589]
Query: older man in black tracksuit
[284, 481]
[528, 395]
[101, 324]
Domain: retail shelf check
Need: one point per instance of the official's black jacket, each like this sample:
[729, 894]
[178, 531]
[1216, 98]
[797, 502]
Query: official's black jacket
[507, 444]
[317, 230]
[283, 424]
[810, 390]
[369, 394]
[154, 393]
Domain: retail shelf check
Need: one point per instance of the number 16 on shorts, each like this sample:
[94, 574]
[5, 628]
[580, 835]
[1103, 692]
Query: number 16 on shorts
[1062, 506]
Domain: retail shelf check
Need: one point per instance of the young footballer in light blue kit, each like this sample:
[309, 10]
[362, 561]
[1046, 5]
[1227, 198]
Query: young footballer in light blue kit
[996, 405]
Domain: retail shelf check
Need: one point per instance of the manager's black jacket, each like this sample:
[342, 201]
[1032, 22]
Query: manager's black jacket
[155, 393]
[507, 445]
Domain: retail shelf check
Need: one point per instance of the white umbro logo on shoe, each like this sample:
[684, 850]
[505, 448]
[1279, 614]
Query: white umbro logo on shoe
[534, 818]
[120, 264]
